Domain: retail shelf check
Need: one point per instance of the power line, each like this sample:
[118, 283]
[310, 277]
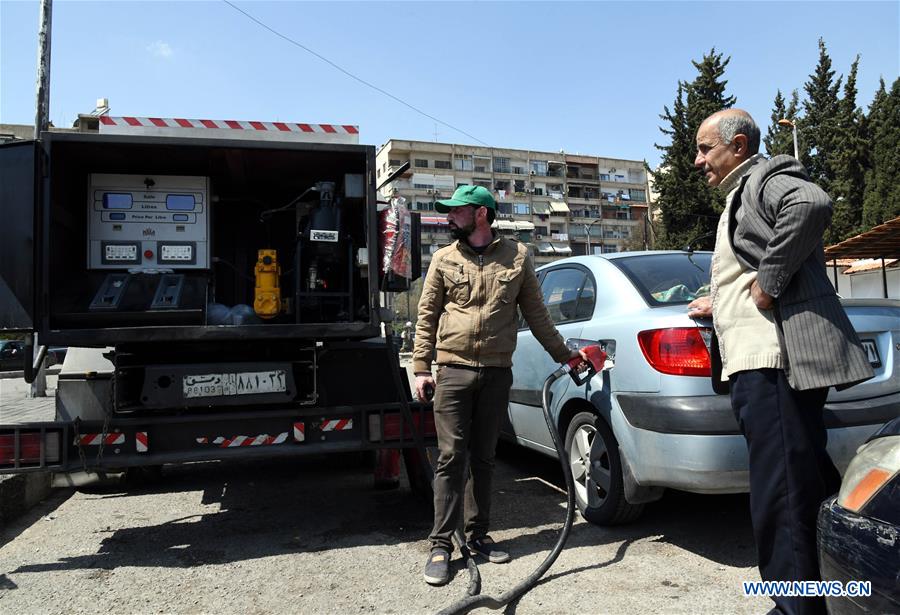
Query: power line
[348, 73]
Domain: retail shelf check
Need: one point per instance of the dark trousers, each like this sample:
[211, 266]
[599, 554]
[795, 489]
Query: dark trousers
[468, 406]
[790, 475]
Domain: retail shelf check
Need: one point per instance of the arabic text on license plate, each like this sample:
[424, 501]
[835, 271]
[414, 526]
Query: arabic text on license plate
[871, 352]
[241, 383]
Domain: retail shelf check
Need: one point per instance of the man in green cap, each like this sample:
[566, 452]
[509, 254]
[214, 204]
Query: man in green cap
[467, 313]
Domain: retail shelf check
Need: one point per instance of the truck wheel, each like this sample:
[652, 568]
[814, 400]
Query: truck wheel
[593, 455]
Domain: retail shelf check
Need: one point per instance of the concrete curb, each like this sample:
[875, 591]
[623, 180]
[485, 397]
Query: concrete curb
[19, 492]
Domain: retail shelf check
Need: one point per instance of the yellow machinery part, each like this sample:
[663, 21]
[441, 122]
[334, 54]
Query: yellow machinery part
[267, 296]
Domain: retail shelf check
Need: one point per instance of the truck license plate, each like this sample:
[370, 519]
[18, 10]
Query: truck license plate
[240, 383]
[871, 352]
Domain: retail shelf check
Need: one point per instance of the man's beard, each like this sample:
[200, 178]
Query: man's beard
[462, 232]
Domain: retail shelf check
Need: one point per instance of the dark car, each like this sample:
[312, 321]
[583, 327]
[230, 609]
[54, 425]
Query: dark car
[859, 529]
[11, 355]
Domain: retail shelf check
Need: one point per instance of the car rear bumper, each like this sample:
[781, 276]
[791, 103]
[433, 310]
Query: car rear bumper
[712, 414]
[693, 443]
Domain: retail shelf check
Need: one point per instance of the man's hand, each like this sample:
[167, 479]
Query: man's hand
[585, 362]
[701, 307]
[761, 298]
[424, 384]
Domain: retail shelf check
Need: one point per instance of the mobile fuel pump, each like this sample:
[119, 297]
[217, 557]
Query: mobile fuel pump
[580, 371]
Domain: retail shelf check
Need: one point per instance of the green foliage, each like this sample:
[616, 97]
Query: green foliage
[852, 155]
[881, 200]
[779, 139]
[849, 163]
[818, 126]
[688, 206]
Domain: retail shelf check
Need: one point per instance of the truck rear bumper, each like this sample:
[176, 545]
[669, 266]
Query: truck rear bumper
[155, 440]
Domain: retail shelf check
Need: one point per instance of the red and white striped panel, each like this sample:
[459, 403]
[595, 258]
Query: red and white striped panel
[299, 432]
[231, 129]
[236, 441]
[95, 439]
[337, 425]
[140, 441]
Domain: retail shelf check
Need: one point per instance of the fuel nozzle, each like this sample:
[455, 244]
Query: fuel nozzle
[596, 357]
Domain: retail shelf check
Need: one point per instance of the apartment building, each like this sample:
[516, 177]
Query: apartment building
[560, 204]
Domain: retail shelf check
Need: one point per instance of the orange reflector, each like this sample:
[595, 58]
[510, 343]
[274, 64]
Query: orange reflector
[865, 489]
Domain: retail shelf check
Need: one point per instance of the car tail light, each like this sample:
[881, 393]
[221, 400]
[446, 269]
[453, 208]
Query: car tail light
[29, 451]
[387, 426]
[678, 351]
[873, 467]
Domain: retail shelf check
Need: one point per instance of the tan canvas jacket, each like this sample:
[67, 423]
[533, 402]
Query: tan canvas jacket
[467, 311]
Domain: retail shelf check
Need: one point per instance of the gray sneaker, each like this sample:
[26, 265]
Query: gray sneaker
[486, 547]
[437, 568]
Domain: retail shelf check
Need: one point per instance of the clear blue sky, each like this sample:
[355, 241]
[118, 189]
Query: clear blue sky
[585, 77]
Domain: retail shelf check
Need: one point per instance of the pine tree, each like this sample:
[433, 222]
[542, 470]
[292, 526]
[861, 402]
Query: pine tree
[819, 126]
[881, 201]
[848, 162]
[779, 139]
[688, 206]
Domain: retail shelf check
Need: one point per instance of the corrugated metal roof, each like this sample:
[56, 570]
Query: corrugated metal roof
[882, 241]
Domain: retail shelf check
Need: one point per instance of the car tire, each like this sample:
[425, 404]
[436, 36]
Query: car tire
[590, 444]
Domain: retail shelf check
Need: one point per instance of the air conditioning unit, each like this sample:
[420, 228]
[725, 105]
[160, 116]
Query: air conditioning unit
[538, 236]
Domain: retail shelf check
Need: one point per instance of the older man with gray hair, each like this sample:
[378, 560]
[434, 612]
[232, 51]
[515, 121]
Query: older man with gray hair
[783, 337]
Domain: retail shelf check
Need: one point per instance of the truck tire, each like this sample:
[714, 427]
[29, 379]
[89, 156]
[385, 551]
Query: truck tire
[599, 493]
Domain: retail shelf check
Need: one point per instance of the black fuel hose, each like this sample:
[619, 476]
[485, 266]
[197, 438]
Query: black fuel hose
[471, 602]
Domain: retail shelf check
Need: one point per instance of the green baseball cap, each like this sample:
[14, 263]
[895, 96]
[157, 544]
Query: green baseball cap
[479, 196]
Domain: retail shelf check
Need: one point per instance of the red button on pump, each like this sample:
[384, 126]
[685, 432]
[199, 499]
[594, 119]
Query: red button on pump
[148, 254]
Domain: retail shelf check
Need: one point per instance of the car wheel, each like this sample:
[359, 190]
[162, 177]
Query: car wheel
[593, 456]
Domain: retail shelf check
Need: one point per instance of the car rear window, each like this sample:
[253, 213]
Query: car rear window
[667, 279]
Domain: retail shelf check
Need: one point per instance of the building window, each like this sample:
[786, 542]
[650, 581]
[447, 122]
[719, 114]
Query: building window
[463, 164]
[501, 165]
[421, 164]
[604, 177]
[395, 163]
[519, 186]
[620, 178]
[521, 209]
[518, 170]
[480, 169]
[423, 186]
[538, 192]
[540, 230]
[638, 195]
[441, 164]
[504, 208]
[538, 167]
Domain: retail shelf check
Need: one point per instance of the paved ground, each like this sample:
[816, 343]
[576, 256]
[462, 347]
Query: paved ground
[16, 407]
[312, 536]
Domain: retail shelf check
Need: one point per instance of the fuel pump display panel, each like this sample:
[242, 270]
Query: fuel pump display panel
[140, 222]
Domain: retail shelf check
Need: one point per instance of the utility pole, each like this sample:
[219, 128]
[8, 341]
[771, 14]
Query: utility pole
[41, 123]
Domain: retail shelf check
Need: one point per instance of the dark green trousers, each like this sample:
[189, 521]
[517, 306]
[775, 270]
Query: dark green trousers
[468, 406]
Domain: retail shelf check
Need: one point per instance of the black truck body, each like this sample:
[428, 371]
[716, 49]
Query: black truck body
[190, 371]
